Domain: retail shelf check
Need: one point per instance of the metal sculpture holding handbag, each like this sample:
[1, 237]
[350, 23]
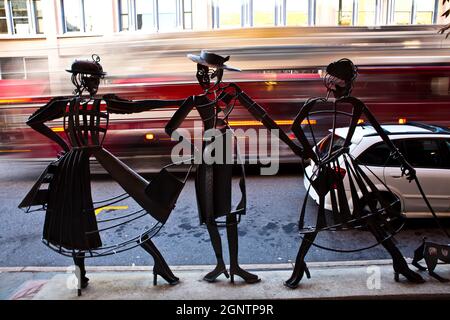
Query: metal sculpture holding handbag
[64, 189]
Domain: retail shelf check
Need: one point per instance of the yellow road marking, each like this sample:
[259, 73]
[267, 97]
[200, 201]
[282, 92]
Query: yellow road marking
[98, 210]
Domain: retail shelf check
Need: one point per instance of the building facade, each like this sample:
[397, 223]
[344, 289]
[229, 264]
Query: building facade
[34, 34]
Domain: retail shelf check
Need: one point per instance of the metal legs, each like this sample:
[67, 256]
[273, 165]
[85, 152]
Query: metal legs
[80, 271]
[232, 236]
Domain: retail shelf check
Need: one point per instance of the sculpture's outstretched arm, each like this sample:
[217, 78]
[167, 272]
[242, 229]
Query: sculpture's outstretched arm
[179, 115]
[361, 109]
[116, 104]
[54, 109]
[260, 114]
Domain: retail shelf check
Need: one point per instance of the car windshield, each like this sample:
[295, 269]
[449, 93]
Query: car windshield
[324, 145]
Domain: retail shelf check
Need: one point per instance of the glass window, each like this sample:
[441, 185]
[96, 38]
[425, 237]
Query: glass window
[72, 15]
[92, 11]
[403, 11]
[378, 155]
[297, 12]
[124, 12]
[37, 7]
[3, 22]
[423, 153]
[345, 12]
[167, 14]
[145, 19]
[263, 13]
[424, 11]
[19, 12]
[327, 12]
[323, 147]
[229, 13]
[366, 12]
[187, 14]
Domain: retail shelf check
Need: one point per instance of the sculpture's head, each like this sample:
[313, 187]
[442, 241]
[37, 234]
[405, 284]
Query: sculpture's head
[86, 75]
[340, 77]
[210, 66]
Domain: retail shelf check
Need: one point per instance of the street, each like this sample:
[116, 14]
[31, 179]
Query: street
[268, 233]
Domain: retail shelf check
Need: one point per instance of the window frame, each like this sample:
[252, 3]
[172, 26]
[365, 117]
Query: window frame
[31, 17]
[413, 17]
[180, 16]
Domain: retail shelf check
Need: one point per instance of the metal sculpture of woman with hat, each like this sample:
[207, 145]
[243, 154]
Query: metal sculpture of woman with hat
[367, 208]
[70, 226]
[214, 181]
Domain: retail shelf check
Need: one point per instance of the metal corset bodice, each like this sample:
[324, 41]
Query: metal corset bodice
[84, 124]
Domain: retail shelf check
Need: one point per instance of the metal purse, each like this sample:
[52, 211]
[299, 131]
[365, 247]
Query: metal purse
[164, 190]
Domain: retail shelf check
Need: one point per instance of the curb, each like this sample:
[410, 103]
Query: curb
[268, 267]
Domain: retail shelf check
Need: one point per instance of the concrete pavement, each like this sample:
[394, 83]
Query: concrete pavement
[371, 279]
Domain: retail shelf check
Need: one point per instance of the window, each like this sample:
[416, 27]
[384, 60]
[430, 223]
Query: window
[263, 13]
[145, 16]
[155, 15]
[20, 20]
[297, 12]
[424, 11]
[228, 13]
[424, 153]
[82, 16]
[403, 11]
[367, 12]
[379, 155]
[72, 12]
[327, 12]
[3, 19]
[38, 17]
[345, 12]
[124, 12]
[187, 14]
[323, 146]
[167, 14]
[20, 17]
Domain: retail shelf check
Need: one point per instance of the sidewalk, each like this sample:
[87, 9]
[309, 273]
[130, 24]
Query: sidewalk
[344, 280]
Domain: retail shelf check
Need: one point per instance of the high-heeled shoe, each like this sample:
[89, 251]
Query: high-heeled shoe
[218, 270]
[297, 275]
[165, 274]
[160, 267]
[410, 275]
[245, 275]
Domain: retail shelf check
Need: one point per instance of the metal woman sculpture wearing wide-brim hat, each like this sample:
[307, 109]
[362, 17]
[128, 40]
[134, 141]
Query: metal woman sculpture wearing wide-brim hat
[213, 183]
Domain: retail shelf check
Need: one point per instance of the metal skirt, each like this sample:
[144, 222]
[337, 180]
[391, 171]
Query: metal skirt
[70, 212]
[213, 190]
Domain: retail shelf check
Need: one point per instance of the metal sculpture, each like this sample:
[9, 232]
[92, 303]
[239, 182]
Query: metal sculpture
[64, 189]
[431, 252]
[375, 212]
[214, 181]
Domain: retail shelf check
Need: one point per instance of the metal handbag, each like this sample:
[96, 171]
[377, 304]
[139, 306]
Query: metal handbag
[163, 191]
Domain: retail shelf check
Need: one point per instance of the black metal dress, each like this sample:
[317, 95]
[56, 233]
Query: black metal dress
[64, 188]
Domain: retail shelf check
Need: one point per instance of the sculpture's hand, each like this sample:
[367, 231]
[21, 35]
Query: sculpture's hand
[407, 170]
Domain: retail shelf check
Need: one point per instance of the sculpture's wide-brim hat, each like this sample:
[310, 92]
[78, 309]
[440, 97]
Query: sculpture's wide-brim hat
[87, 67]
[212, 60]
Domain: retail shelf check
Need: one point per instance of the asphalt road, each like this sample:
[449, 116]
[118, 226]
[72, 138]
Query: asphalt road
[268, 232]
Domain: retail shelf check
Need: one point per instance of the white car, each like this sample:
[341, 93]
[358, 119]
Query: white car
[426, 148]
